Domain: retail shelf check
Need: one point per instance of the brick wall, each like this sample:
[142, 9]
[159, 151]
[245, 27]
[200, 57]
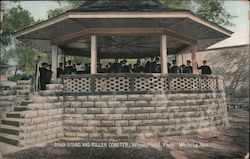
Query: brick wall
[42, 122]
[142, 116]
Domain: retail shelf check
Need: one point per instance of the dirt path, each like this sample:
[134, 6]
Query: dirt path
[231, 143]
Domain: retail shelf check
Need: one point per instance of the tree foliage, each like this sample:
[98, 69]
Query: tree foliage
[15, 19]
[212, 10]
[12, 51]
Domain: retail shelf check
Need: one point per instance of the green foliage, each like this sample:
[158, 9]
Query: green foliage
[70, 5]
[56, 12]
[15, 19]
[178, 4]
[212, 10]
[78, 59]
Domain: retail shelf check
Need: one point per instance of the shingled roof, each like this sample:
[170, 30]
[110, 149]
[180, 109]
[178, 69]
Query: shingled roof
[123, 6]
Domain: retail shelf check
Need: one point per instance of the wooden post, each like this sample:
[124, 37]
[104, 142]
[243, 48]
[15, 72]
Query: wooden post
[54, 61]
[164, 66]
[93, 54]
[194, 61]
[182, 59]
[179, 59]
[1, 20]
[63, 59]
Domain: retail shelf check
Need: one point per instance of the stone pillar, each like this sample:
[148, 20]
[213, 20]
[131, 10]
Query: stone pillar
[93, 54]
[163, 53]
[54, 61]
[194, 61]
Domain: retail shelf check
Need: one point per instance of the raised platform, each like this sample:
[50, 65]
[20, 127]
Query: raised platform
[185, 104]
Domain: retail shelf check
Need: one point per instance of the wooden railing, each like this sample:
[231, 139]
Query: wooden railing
[141, 83]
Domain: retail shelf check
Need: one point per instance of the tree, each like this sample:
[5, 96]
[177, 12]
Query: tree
[212, 10]
[15, 19]
[70, 5]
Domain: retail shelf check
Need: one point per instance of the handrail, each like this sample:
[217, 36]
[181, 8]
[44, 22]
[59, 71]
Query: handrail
[138, 75]
[141, 83]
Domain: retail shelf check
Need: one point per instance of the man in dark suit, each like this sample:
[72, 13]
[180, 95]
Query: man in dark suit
[205, 69]
[188, 68]
[59, 70]
[69, 68]
[175, 68]
[43, 76]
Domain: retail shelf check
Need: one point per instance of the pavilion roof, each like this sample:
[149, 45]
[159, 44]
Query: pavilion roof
[123, 6]
[71, 30]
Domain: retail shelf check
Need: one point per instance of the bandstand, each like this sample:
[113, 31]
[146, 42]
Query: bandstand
[121, 106]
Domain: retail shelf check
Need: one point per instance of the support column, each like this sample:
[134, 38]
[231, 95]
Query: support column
[54, 61]
[63, 59]
[163, 53]
[194, 61]
[93, 54]
[179, 59]
[1, 19]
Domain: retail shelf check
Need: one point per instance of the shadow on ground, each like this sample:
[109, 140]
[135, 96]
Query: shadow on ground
[89, 153]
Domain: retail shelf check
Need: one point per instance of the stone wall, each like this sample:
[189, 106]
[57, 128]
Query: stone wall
[14, 96]
[52, 115]
[42, 121]
[7, 102]
[142, 116]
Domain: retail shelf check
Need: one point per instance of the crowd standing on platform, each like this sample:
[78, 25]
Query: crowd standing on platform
[151, 65]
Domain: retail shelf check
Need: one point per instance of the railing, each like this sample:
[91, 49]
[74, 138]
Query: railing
[141, 83]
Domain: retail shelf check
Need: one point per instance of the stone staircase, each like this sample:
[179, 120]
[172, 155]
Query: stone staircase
[35, 118]
[10, 124]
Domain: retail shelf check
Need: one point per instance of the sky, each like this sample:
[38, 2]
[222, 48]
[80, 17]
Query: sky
[237, 8]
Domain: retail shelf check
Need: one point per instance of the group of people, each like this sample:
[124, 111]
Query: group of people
[205, 69]
[148, 66]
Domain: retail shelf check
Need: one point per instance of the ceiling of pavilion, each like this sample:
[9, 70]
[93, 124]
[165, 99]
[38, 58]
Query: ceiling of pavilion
[123, 46]
[126, 47]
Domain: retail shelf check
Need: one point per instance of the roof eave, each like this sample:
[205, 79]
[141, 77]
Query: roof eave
[69, 15]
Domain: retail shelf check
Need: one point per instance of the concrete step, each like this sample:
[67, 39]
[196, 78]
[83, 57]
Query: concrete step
[24, 97]
[8, 92]
[26, 102]
[24, 82]
[13, 115]
[54, 87]
[9, 139]
[11, 121]
[23, 92]
[22, 87]
[14, 130]
[6, 103]
[20, 108]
